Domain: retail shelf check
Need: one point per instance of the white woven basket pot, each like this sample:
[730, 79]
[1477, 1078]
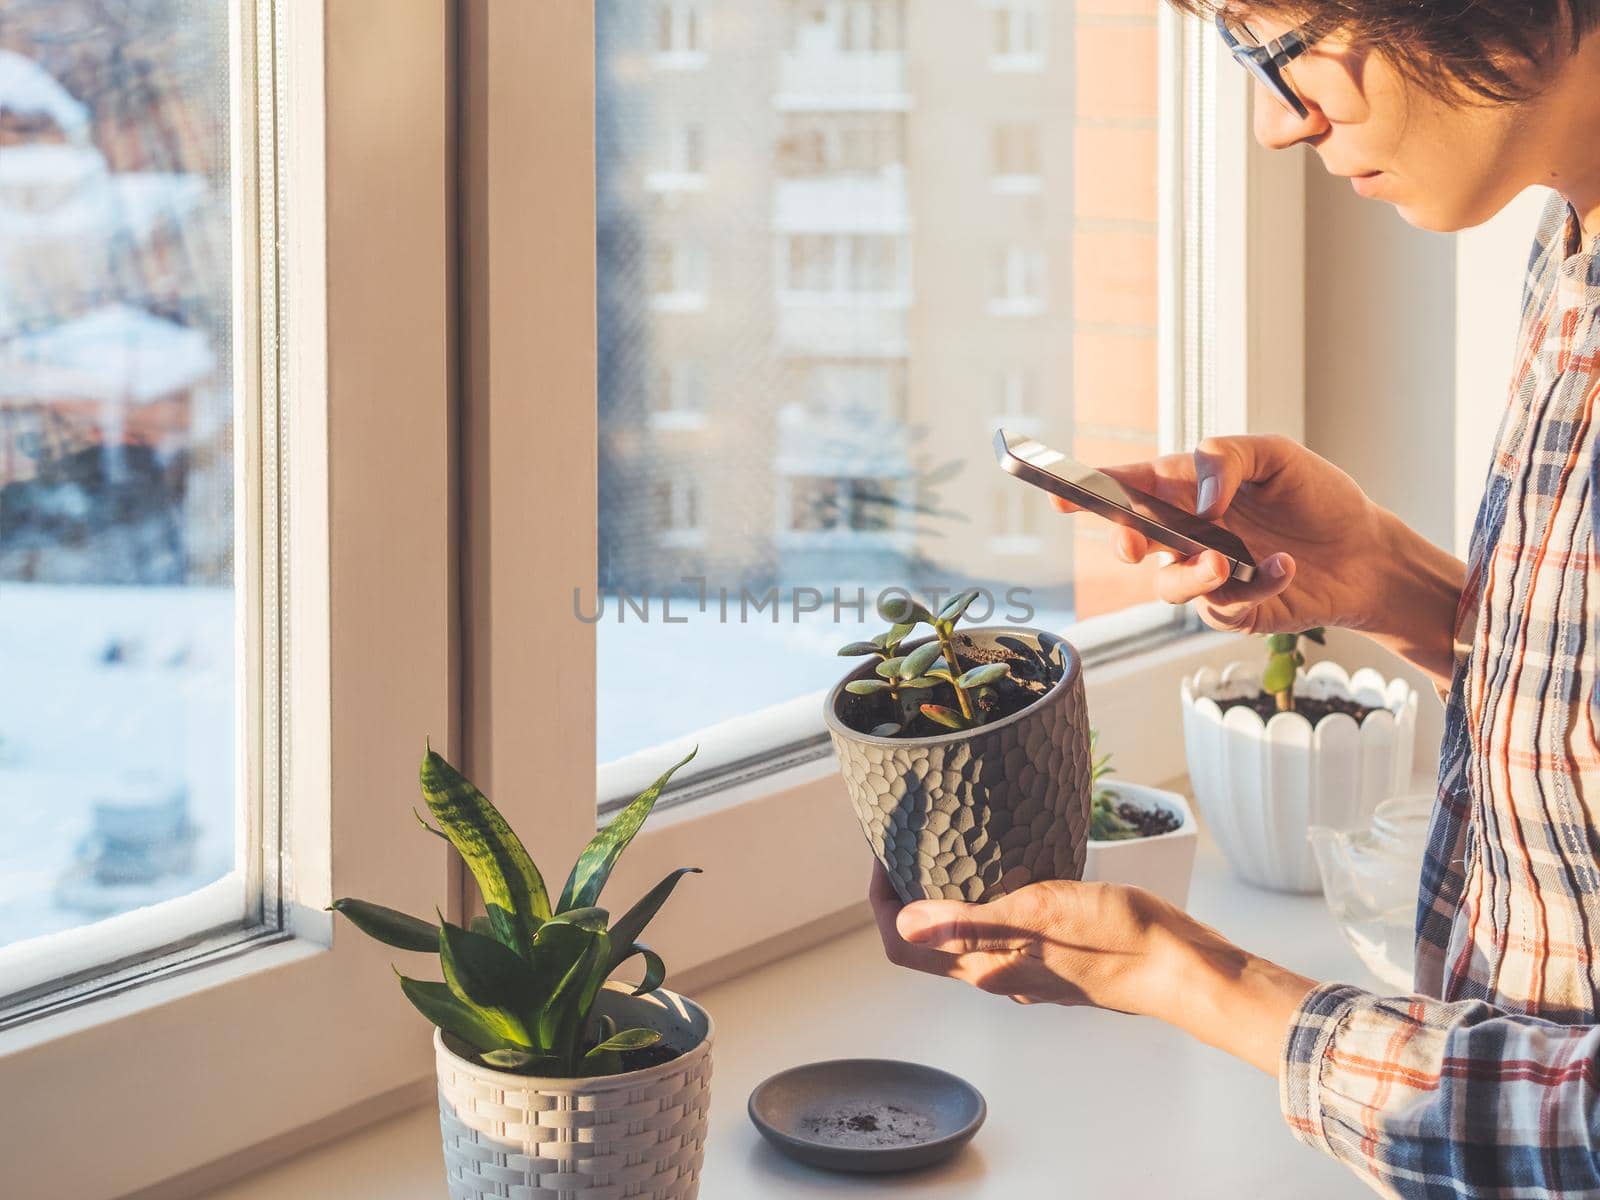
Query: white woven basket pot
[641, 1134]
[1261, 785]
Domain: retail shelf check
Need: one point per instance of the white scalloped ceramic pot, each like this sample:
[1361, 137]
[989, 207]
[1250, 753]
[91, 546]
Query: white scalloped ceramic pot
[1162, 864]
[638, 1134]
[1260, 786]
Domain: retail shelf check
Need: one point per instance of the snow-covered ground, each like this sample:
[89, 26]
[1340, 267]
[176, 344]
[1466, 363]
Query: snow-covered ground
[76, 726]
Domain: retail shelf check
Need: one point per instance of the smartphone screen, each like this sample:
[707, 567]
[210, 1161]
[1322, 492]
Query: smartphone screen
[1098, 492]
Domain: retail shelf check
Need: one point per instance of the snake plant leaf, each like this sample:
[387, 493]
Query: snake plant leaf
[983, 674]
[590, 918]
[423, 821]
[593, 868]
[856, 649]
[919, 660]
[947, 717]
[480, 970]
[627, 928]
[655, 971]
[1318, 635]
[865, 687]
[958, 605]
[392, 928]
[1279, 675]
[626, 1039]
[524, 1061]
[450, 1013]
[889, 668]
[556, 948]
[569, 1003]
[496, 857]
[484, 926]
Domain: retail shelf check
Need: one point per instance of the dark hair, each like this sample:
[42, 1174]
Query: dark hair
[1498, 50]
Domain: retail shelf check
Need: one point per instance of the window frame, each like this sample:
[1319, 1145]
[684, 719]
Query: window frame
[278, 1047]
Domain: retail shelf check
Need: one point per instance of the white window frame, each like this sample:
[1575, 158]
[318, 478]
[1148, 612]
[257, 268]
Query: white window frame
[1020, 53]
[688, 47]
[684, 169]
[211, 1071]
[1023, 272]
[684, 527]
[840, 269]
[1012, 536]
[688, 268]
[1017, 409]
[1007, 138]
[679, 399]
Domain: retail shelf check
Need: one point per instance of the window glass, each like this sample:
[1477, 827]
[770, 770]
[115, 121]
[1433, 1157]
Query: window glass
[120, 794]
[876, 305]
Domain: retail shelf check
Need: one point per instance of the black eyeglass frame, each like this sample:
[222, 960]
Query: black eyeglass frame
[1266, 62]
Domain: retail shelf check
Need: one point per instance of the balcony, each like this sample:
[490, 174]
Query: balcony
[832, 80]
[851, 327]
[843, 204]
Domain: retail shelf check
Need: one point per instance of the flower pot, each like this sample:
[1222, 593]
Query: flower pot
[640, 1133]
[976, 813]
[1162, 863]
[1261, 785]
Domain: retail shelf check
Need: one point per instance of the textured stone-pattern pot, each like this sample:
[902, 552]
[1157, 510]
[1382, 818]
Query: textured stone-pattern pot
[971, 815]
[640, 1134]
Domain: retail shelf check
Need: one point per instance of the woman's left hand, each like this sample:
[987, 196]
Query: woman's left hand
[1052, 942]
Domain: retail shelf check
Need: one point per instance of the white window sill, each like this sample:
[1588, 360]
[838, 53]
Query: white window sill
[1017, 185]
[1108, 1081]
[680, 60]
[677, 419]
[675, 181]
[1019, 307]
[678, 302]
[1016, 63]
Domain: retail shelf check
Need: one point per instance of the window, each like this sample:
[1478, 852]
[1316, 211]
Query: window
[860, 392]
[678, 512]
[849, 265]
[1016, 400]
[1017, 282]
[678, 399]
[680, 35]
[1015, 527]
[848, 506]
[846, 26]
[677, 276]
[132, 821]
[818, 145]
[1016, 157]
[683, 159]
[1018, 35]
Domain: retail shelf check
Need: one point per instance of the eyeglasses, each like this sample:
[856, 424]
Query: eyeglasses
[1266, 62]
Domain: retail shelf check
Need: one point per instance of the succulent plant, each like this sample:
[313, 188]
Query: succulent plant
[520, 983]
[1284, 659]
[930, 665]
[1105, 825]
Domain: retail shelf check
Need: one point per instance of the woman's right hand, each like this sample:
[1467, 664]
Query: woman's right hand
[1306, 523]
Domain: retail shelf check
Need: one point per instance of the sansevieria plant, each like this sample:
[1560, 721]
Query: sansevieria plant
[520, 984]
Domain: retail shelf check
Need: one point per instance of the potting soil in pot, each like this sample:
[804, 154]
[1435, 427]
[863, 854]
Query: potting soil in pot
[1312, 708]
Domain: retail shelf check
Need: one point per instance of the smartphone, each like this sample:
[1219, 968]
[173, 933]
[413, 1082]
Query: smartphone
[1163, 523]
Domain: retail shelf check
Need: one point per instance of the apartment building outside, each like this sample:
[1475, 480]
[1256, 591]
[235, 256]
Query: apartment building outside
[843, 240]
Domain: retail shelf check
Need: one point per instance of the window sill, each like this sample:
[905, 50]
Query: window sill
[1080, 1113]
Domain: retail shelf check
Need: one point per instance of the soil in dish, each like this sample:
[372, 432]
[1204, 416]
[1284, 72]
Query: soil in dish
[1312, 709]
[1149, 822]
[878, 1126]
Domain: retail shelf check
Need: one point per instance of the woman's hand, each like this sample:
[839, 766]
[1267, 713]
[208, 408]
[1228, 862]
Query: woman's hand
[1306, 522]
[1100, 944]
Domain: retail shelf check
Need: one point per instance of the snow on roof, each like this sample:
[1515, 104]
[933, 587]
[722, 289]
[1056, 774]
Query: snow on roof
[52, 190]
[26, 87]
[113, 353]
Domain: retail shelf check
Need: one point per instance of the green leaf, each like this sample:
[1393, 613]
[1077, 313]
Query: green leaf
[865, 687]
[527, 1062]
[958, 605]
[593, 868]
[631, 923]
[590, 918]
[887, 729]
[443, 1008]
[655, 971]
[482, 925]
[1317, 635]
[568, 1006]
[947, 717]
[1279, 675]
[898, 608]
[919, 684]
[627, 1039]
[421, 820]
[480, 970]
[897, 633]
[497, 859]
[919, 660]
[392, 928]
[856, 649]
[983, 674]
[889, 667]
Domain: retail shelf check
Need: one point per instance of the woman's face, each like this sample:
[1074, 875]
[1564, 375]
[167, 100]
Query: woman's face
[1445, 165]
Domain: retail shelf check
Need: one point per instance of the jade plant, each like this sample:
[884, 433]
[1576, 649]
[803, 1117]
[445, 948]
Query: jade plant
[520, 984]
[1284, 659]
[902, 679]
[1110, 821]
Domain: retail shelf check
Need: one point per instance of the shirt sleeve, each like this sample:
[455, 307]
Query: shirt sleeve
[1429, 1099]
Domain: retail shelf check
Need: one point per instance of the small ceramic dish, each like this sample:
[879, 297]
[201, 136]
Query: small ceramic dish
[867, 1114]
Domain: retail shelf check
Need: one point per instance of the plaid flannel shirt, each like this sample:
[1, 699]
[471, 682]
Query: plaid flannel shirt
[1486, 1082]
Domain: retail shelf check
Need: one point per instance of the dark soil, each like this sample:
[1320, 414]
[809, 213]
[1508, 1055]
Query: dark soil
[1151, 821]
[1266, 706]
[1032, 675]
[876, 1125]
[649, 1056]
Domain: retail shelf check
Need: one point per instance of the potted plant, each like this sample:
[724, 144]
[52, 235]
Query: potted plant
[966, 755]
[1139, 835]
[553, 1082]
[1277, 748]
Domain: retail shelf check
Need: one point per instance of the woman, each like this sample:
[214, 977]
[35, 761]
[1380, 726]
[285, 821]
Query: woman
[1485, 1083]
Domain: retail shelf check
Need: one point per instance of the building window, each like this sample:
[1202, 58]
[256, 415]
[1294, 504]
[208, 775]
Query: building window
[846, 26]
[844, 505]
[815, 145]
[1018, 35]
[861, 392]
[1015, 148]
[1017, 282]
[677, 400]
[843, 265]
[1017, 400]
[677, 276]
[680, 34]
[682, 159]
[678, 512]
[1014, 529]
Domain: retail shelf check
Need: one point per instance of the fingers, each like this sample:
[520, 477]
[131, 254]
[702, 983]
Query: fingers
[886, 908]
[951, 927]
[1209, 576]
[1223, 464]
